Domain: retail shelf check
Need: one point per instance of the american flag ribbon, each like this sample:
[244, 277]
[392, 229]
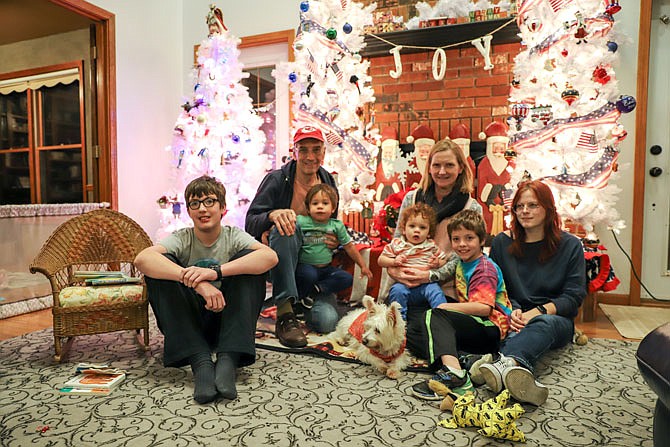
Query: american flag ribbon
[595, 178]
[344, 4]
[587, 141]
[507, 196]
[607, 114]
[599, 27]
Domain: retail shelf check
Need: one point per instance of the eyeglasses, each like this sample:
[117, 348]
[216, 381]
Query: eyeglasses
[208, 202]
[304, 151]
[518, 208]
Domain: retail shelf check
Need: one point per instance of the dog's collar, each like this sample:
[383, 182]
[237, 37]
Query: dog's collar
[356, 330]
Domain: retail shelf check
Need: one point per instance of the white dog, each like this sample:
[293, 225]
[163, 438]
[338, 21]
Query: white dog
[377, 335]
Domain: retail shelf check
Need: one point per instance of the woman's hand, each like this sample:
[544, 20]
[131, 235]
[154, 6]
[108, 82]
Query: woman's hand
[409, 276]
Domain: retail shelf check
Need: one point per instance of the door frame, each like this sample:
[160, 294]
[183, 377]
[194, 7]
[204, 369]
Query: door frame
[104, 99]
[639, 173]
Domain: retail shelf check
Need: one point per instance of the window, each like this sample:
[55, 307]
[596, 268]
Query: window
[42, 156]
[261, 85]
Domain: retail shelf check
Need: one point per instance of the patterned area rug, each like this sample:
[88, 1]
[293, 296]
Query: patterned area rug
[597, 397]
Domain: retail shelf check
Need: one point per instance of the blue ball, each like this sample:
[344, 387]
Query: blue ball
[236, 139]
[612, 46]
[347, 28]
[626, 104]
[304, 6]
[292, 77]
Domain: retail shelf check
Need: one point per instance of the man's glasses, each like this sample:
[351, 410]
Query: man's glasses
[208, 202]
[529, 206]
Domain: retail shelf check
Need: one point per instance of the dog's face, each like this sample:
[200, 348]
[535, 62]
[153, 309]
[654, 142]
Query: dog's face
[384, 328]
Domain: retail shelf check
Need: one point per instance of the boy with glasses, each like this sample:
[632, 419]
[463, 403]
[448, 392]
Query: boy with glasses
[206, 286]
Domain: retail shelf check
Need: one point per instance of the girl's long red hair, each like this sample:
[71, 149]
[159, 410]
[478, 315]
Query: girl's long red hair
[552, 223]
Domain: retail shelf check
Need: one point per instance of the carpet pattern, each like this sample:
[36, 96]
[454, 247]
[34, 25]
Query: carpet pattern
[635, 322]
[597, 397]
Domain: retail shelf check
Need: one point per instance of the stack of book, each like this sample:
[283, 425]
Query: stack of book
[93, 379]
[102, 278]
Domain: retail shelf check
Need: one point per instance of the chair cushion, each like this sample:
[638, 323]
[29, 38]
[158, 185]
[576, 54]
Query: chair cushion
[91, 296]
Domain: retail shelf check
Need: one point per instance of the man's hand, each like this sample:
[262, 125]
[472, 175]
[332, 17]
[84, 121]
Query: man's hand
[284, 220]
[520, 319]
[214, 299]
[434, 261]
[192, 276]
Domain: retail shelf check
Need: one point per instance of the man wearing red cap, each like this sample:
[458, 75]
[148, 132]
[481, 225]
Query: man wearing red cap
[271, 219]
[423, 138]
[387, 181]
[492, 175]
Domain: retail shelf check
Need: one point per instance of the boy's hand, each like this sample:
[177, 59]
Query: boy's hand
[365, 271]
[192, 276]
[400, 260]
[213, 297]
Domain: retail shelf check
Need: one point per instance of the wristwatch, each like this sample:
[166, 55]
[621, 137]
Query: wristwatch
[217, 269]
[542, 309]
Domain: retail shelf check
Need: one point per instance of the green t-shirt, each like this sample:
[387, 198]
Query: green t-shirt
[190, 251]
[314, 251]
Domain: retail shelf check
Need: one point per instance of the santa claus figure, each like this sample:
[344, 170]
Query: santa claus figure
[423, 138]
[387, 180]
[460, 134]
[493, 176]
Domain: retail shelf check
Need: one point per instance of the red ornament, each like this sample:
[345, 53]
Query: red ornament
[355, 186]
[564, 53]
[613, 7]
[600, 75]
[570, 95]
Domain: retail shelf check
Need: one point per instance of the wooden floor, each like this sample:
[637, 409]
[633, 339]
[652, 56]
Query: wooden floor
[36, 321]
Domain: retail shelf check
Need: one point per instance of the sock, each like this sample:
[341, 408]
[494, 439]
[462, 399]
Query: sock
[203, 377]
[226, 363]
[460, 373]
[284, 308]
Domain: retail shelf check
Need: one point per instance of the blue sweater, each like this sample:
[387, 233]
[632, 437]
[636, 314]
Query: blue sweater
[561, 280]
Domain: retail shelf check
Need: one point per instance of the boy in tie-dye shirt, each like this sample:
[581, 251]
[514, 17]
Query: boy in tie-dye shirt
[475, 322]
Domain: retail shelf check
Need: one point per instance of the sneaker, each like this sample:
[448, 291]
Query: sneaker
[457, 385]
[288, 331]
[492, 373]
[475, 373]
[523, 387]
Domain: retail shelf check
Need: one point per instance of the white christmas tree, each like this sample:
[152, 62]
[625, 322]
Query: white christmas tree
[331, 88]
[217, 132]
[566, 106]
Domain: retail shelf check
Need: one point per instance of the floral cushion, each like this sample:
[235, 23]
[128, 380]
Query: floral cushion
[87, 296]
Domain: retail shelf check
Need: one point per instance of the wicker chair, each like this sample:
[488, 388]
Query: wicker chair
[98, 240]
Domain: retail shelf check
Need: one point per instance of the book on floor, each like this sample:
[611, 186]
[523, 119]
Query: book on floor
[93, 379]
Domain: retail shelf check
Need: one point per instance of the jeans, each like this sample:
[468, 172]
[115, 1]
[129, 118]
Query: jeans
[323, 315]
[283, 274]
[541, 334]
[430, 293]
[329, 279]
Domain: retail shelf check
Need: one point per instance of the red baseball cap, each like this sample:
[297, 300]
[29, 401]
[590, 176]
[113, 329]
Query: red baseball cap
[308, 132]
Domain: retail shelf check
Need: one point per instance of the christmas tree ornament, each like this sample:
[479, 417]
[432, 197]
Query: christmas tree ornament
[355, 186]
[292, 77]
[357, 57]
[613, 7]
[626, 104]
[201, 119]
[519, 113]
[235, 138]
[516, 83]
[304, 6]
[366, 213]
[331, 33]
[600, 75]
[298, 46]
[569, 95]
[176, 209]
[550, 64]
[162, 202]
[564, 53]
[533, 25]
[347, 28]
[612, 46]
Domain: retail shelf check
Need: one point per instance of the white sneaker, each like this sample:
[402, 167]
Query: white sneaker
[492, 373]
[523, 387]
